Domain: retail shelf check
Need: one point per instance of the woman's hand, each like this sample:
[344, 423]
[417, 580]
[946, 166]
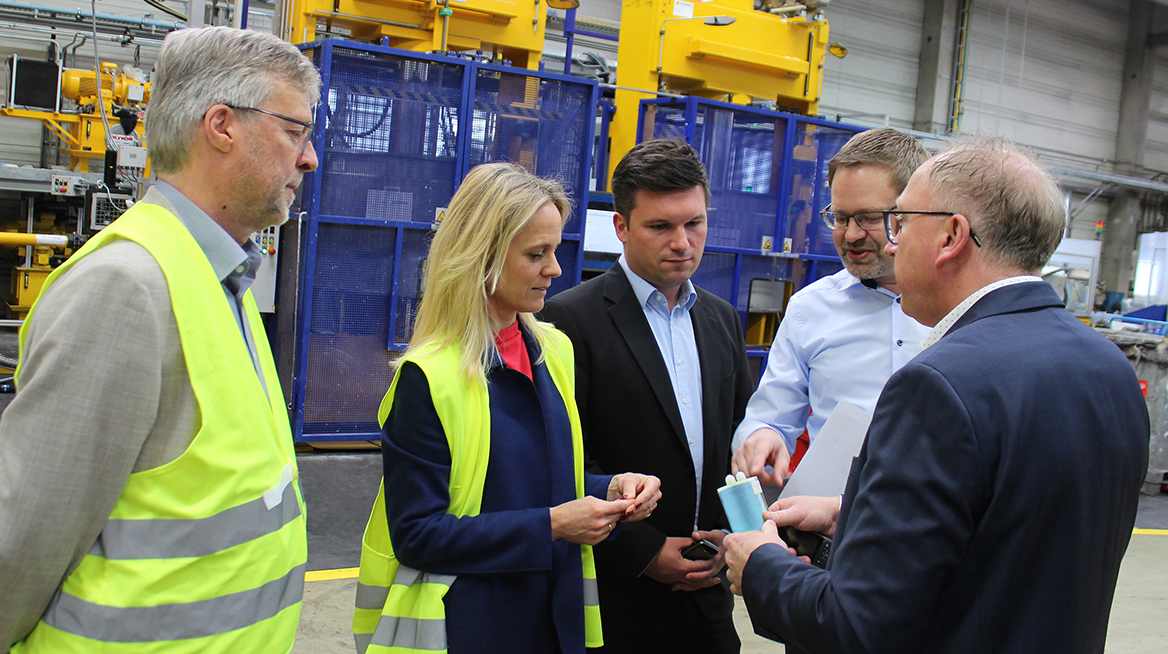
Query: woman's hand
[644, 490]
[588, 520]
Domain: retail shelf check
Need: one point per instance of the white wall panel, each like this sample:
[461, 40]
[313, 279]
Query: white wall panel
[879, 75]
[1047, 73]
[1156, 147]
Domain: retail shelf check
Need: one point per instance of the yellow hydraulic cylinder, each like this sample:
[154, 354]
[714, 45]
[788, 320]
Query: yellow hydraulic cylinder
[668, 46]
[512, 30]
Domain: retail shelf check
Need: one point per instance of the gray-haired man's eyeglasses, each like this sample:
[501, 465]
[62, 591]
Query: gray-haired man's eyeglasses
[303, 137]
[894, 222]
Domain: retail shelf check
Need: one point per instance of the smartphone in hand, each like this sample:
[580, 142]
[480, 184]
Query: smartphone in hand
[700, 550]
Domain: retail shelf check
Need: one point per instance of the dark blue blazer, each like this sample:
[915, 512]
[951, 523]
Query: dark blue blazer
[991, 503]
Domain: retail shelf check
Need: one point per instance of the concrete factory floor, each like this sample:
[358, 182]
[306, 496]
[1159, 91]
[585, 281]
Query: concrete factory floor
[337, 489]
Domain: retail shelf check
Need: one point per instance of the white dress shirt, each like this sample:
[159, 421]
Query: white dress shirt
[839, 340]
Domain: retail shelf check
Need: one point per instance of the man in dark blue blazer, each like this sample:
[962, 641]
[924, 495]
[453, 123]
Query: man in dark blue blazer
[996, 491]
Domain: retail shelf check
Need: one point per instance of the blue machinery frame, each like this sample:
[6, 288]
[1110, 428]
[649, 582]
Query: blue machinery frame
[365, 380]
[800, 149]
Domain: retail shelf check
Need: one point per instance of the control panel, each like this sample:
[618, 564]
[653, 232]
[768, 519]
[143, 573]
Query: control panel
[264, 287]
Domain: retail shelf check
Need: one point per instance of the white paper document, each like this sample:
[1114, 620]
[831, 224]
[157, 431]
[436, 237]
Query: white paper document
[824, 469]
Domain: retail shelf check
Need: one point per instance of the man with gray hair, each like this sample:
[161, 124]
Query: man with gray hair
[997, 488]
[148, 490]
[844, 335]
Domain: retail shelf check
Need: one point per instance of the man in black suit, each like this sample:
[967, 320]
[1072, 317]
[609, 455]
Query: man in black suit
[661, 382]
[996, 491]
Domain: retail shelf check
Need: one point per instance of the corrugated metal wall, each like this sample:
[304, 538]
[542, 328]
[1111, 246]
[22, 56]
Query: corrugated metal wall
[1047, 73]
[1156, 153]
[878, 78]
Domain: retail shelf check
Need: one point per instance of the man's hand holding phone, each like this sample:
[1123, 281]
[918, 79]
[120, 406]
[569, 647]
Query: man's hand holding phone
[672, 568]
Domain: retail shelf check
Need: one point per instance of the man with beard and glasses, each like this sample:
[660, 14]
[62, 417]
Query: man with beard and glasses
[842, 336]
[148, 490]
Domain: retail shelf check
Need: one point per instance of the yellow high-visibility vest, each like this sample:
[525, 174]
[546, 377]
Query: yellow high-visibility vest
[206, 553]
[400, 610]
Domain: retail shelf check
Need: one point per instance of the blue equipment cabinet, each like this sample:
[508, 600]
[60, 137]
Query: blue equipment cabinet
[768, 181]
[395, 132]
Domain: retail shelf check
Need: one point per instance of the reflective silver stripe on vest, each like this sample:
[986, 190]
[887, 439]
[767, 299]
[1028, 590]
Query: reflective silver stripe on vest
[362, 642]
[371, 597]
[411, 633]
[171, 539]
[591, 592]
[145, 624]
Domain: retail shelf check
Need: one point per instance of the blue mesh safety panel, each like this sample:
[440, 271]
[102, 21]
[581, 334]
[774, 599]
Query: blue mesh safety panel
[348, 365]
[663, 122]
[540, 124]
[568, 254]
[391, 134]
[741, 151]
[716, 273]
[290, 258]
[814, 146]
[415, 249]
[826, 269]
[391, 152]
[761, 267]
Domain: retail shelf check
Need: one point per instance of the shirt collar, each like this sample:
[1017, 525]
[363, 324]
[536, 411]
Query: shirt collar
[227, 257]
[644, 291]
[953, 316]
[856, 281]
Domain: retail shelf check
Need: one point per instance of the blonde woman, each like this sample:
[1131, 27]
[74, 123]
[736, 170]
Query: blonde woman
[480, 539]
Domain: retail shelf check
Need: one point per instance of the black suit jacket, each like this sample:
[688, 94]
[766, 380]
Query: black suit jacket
[631, 422]
[991, 503]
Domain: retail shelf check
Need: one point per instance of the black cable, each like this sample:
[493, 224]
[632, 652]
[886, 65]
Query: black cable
[161, 7]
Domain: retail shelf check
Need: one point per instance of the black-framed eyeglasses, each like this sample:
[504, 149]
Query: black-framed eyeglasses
[867, 220]
[894, 222]
[303, 137]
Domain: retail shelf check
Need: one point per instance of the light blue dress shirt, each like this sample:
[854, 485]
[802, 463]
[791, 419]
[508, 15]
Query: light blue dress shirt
[235, 265]
[674, 333]
[839, 340]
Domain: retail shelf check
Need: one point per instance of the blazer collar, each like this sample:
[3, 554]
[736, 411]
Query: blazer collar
[1010, 299]
[628, 316]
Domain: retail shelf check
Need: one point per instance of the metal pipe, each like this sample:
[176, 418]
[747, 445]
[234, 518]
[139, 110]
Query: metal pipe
[80, 15]
[364, 19]
[56, 45]
[54, 240]
[957, 84]
[1112, 178]
[445, 22]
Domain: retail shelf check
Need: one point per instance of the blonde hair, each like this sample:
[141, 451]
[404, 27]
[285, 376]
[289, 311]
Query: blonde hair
[495, 202]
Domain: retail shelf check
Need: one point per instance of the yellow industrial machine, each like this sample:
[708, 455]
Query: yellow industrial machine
[500, 28]
[722, 50]
[82, 133]
[28, 280]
